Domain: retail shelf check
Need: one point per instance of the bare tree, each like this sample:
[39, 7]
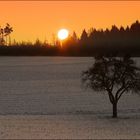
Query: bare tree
[7, 30]
[2, 41]
[115, 75]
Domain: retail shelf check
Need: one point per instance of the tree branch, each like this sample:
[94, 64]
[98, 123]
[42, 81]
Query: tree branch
[113, 80]
[122, 93]
[111, 97]
[119, 90]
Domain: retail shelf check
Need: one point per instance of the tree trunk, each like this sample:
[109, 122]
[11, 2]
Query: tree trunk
[9, 41]
[114, 110]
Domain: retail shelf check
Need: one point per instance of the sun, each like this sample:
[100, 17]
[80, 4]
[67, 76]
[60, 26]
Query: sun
[63, 34]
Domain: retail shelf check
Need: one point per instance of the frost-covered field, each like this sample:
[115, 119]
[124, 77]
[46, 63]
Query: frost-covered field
[69, 127]
[42, 97]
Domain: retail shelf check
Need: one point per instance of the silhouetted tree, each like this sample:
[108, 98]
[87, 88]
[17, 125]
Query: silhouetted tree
[74, 37]
[115, 75]
[84, 38]
[135, 27]
[2, 36]
[7, 31]
[38, 43]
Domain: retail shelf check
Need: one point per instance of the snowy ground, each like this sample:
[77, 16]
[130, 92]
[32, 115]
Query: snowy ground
[69, 127]
[42, 97]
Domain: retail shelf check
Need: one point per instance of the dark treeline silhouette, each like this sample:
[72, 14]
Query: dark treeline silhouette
[117, 41]
[29, 49]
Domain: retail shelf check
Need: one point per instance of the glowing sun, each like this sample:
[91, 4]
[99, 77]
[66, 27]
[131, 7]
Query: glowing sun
[63, 34]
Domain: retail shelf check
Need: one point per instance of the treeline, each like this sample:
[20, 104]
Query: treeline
[29, 49]
[117, 41]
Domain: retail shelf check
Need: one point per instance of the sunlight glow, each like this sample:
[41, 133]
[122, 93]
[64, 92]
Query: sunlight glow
[63, 34]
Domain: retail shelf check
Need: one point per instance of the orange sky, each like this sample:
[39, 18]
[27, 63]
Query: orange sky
[41, 19]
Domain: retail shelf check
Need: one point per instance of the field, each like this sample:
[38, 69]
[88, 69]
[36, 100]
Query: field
[42, 97]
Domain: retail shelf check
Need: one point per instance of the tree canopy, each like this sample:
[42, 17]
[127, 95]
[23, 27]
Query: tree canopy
[115, 75]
